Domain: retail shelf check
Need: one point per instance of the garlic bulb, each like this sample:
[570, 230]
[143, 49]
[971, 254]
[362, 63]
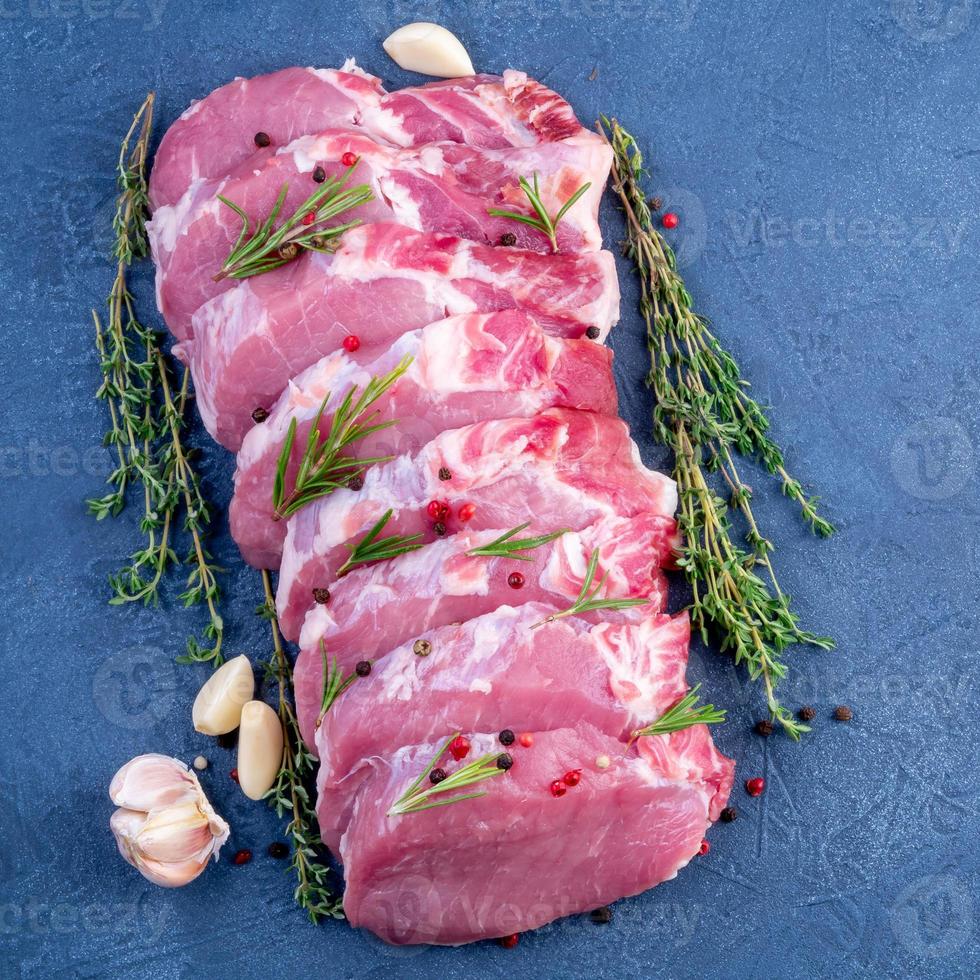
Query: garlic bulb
[260, 745]
[164, 827]
[429, 49]
[218, 706]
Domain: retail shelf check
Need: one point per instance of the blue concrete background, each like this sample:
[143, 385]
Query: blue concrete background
[824, 160]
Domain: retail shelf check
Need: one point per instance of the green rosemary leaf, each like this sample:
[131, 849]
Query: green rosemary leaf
[371, 549]
[506, 547]
[334, 684]
[543, 222]
[683, 715]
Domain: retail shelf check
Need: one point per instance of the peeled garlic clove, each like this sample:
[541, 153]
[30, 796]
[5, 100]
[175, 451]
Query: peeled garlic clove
[218, 706]
[429, 49]
[152, 781]
[259, 749]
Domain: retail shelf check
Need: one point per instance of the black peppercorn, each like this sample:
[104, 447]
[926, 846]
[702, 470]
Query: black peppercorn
[656, 203]
[355, 482]
[807, 713]
[508, 239]
[288, 251]
[764, 728]
[422, 648]
[506, 737]
[439, 529]
[363, 668]
[843, 713]
[319, 174]
[593, 333]
[278, 850]
[262, 139]
[504, 761]
[601, 916]
[321, 596]
[729, 814]
[437, 776]
[260, 415]
[444, 473]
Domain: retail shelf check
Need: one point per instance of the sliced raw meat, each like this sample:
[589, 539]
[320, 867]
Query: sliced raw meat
[465, 368]
[383, 281]
[517, 858]
[378, 607]
[500, 670]
[564, 467]
[443, 187]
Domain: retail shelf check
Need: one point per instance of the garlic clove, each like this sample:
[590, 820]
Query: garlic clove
[176, 833]
[218, 706]
[260, 745]
[170, 875]
[429, 49]
[152, 781]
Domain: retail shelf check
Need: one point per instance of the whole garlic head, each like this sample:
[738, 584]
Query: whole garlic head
[429, 49]
[164, 827]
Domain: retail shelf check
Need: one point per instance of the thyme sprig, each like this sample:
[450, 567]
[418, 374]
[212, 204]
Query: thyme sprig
[324, 465]
[334, 683]
[147, 404]
[705, 415]
[313, 893]
[544, 223]
[507, 547]
[269, 247]
[683, 715]
[371, 548]
[415, 798]
[588, 600]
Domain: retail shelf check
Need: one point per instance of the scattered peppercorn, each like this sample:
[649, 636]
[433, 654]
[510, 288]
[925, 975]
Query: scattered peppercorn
[363, 668]
[278, 850]
[234, 775]
[422, 648]
[356, 483]
[318, 241]
[467, 512]
[309, 218]
[729, 814]
[243, 856]
[349, 159]
[515, 580]
[444, 473]
[504, 761]
[593, 332]
[656, 203]
[289, 250]
[601, 916]
[459, 747]
[764, 728]
[439, 529]
[229, 740]
[321, 596]
[843, 713]
[506, 737]
[262, 139]
[319, 174]
[509, 942]
[351, 343]
[558, 788]
[527, 740]
[508, 239]
[259, 415]
[754, 787]
[438, 510]
[807, 713]
[437, 776]
[670, 220]
[705, 847]
[572, 777]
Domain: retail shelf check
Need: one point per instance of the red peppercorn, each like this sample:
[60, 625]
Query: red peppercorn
[754, 787]
[509, 942]
[466, 512]
[309, 218]
[527, 740]
[438, 510]
[558, 788]
[704, 848]
[459, 747]
[349, 159]
[572, 777]
[242, 857]
[351, 343]
[234, 774]
[515, 580]
[669, 220]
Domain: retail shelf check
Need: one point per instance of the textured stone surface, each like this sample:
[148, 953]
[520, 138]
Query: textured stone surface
[824, 161]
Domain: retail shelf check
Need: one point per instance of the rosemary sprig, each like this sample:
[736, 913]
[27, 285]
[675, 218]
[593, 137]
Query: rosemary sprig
[147, 410]
[506, 547]
[334, 684]
[544, 223]
[587, 600]
[290, 795]
[415, 798]
[324, 466]
[683, 715]
[269, 247]
[370, 548]
[704, 414]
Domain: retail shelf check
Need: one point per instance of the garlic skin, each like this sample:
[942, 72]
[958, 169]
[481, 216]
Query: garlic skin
[218, 706]
[260, 745]
[164, 827]
[429, 49]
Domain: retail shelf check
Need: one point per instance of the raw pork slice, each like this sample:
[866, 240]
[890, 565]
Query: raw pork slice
[564, 467]
[463, 369]
[383, 281]
[500, 671]
[517, 858]
[378, 607]
[442, 187]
